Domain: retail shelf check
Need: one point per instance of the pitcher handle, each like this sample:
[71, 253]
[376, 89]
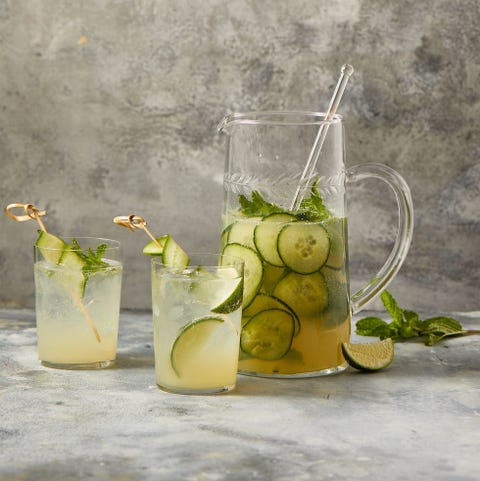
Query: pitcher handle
[404, 235]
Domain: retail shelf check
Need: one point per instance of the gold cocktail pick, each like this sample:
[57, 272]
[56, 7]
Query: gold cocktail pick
[31, 212]
[133, 222]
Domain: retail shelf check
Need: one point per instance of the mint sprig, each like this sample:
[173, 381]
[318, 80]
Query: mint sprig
[311, 209]
[93, 259]
[407, 324]
[257, 206]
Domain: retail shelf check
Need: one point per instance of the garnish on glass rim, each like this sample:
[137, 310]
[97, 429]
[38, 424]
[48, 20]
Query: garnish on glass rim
[165, 246]
[91, 259]
[173, 255]
[407, 324]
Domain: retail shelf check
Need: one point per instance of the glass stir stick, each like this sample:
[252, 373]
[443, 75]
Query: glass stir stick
[303, 183]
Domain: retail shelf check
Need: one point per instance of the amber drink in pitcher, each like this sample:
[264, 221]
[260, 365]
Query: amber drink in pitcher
[291, 231]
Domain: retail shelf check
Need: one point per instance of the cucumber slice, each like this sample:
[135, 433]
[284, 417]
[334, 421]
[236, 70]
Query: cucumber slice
[303, 246]
[173, 255]
[152, 249]
[72, 276]
[263, 302]
[190, 345]
[268, 335]
[265, 237]
[241, 232]
[50, 246]
[306, 295]
[338, 309]
[253, 270]
[271, 275]
[71, 259]
[57, 251]
[337, 231]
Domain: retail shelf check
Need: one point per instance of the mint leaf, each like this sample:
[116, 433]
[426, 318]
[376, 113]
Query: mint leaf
[392, 307]
[313, 209]
[437, 328]
[407, 324]
[410, 325]
[372, 326]
[257, 206]
[92, 259]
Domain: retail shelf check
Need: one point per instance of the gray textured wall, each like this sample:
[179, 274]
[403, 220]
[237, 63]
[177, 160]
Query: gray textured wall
[109, 107]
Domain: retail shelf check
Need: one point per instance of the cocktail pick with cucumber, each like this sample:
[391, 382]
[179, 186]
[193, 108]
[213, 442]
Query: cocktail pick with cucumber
[56, 251]
[173, 255]
[166, 246]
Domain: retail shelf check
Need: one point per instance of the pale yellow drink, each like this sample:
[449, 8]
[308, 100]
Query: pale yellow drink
[196, 344]
[65, 336]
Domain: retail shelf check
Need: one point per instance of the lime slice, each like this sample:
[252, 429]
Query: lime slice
[370, 356]
[193, 342]
[233, 301]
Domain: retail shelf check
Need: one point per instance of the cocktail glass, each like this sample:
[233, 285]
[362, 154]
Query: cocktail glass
[77, 305]
[197, 321]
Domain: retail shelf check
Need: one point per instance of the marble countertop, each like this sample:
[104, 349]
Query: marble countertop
[419, 419]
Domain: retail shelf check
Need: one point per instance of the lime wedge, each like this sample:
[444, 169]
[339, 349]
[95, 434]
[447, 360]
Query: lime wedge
[232, 302]
[221, 289]
[193, 342]
[370, 356]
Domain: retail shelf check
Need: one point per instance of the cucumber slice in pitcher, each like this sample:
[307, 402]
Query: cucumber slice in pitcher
[271, 276]
[264, 302]
[265, 237]
[241, 232]
[253, 270]
[303, 247]
[306, 295]
[337, 231]
[268, 335]
[338, 309]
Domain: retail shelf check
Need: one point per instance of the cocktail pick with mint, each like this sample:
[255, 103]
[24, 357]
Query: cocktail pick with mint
[172, 254]
[56, 251]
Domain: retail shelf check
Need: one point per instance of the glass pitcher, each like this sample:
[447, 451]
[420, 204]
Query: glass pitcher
[291, 231]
